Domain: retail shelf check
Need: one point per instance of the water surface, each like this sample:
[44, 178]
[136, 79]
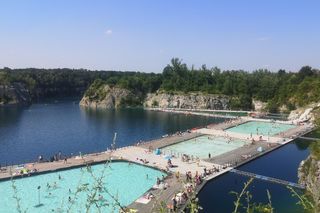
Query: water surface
[45, 129]
[282, 163]
[123, 181]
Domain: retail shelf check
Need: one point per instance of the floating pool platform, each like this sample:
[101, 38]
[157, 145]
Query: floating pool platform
[228, 146]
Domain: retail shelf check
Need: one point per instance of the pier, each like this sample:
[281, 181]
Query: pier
[266, 178]
[219, 164]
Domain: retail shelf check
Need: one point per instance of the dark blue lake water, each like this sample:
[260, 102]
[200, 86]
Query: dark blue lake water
[46, 129]
[49, 128]
[281, 163]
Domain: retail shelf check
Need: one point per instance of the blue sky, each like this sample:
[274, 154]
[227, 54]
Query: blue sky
[145, 34]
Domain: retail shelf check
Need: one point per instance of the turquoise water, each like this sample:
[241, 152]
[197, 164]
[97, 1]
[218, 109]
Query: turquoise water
[203, 145]
[123, 180]
[261, 128]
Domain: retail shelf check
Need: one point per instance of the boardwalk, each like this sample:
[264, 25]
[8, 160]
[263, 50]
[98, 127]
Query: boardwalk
[269, 179]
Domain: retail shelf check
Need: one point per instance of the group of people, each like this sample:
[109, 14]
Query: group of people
[56, 157]
[186, 158]
[197, 179]
[145, 161]
[179, 198]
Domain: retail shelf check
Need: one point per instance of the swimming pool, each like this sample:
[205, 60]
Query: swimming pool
[261, 128]
[125, 181]
[203, 145]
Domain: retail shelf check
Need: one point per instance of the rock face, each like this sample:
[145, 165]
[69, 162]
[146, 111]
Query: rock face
[187, 101]
[15, 94]
[309, 175]
[259, 105]
[304, 114]
[106, 97]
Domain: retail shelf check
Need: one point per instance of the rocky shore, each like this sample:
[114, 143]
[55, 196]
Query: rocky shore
[309, 175]
[106, 97]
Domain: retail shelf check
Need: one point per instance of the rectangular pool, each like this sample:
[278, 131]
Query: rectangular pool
[261, 128]
[203, 145]
[123, 180]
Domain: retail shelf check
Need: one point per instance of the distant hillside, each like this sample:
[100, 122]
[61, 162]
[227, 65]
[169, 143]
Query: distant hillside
[280, 90]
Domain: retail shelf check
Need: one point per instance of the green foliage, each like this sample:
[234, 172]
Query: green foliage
[282, 88]
[130, 100]
[155, 103]
[303, 200]
[5, 99]
[277, 89]
[96, 90]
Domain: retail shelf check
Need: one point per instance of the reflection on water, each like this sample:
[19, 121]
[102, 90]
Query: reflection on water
[48, 128]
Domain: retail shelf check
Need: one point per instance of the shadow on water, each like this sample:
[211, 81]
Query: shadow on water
[10, 115]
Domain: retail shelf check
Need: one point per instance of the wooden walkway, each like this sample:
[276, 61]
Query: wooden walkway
[269, 179]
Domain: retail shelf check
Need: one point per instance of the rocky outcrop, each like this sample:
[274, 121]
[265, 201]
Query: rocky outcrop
[14, 94]
[309, 175]
[304, 114]
[187, 101]
[259, 106]
[106, 97]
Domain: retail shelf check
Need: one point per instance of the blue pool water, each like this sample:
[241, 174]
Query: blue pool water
[125, 181]
[261, 128]
[203, 145]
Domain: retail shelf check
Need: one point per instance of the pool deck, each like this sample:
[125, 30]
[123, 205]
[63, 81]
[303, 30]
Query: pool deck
[144, 151]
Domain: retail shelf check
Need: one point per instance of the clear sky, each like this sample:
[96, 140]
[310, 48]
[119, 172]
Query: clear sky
[145, 34]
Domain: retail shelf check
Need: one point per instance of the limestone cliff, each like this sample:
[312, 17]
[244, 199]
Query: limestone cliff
[187, 101]
[306, 113]
[309, 175]
[106, 97]
[14, 94]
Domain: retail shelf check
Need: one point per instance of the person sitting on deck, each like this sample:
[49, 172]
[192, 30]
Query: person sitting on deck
[174, 203]
[158, 181]
[149, 196]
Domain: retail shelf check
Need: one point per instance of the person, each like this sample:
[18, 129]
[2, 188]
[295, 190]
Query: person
[65, 160]
[100, 197]
[209, 155]
[59, 156]
[158, 181]
[40, 158]
[174, 203]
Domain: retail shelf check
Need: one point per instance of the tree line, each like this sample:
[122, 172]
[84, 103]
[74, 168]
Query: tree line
[279, 89]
